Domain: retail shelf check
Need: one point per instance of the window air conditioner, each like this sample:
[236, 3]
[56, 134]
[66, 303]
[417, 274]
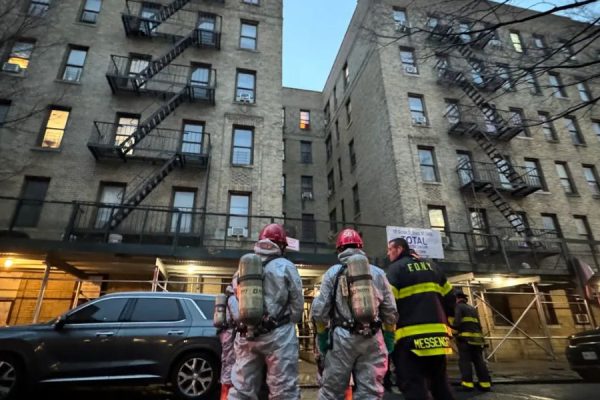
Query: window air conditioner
[446, 242]
[329, 193]
[402, 27]
[245, 98]
[237, 231]
[10, 67]
[307, 195]
[410, 69]
[420, 120]
[582, 318]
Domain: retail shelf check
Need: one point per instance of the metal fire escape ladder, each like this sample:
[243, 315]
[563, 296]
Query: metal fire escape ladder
[141, 191]
[152, 122]
[506, 210]
[155, 66]
[168, 10]
[132, 20]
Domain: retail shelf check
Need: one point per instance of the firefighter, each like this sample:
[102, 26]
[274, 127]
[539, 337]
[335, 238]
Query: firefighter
[424, 300]
[470, 345]
[272, 342]
[227, 336]
[354, 304]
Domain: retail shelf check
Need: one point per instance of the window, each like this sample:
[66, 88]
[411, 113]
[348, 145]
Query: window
[465, 167]
[582, 226]
[38, 8]
[112, 194]
[4, 107]
[348, 112]
[335, 98]
[499, 301]
[399, 16]
[573, 129]
[207, 30]
[452, 111]
[150, 12]
[464, 28]
[340, 169]
[591, 176]
[596, 128]
[337, 130]
[584, 93]
[74, 64]
[255, 2]
[515, 39]
[243, 138]
[33, 194]
[183, 203]
[21, 54]
[127, 124]
[407, 57]
[551, 226]
[438, 219]
[327, 113]
[566, 50]
[476, 72]
[248, 35]
[342, 207]
[427, 162]
[533, 173]
[547, 126]
[206, 306]
[479, 226]
[283, 147]
[306, 187]
[504, 74]
[55, 128]
[534, 86]
[102, 311]
[137, 64]
[239, 208]
[283, 185]
[328, 148]
[200, 82]
[539, 43]
[333, 221]
[90, 11]
[489, 114]
[417, 109]
[517, 120]
[346, 74]
[306, 152]
[355, 200]
[565, 177]
[191, 141]
[330, 183]
[245, 86]
[352, 154]
[309, 227]
[556, 84]
[304, 119]
[156, 310]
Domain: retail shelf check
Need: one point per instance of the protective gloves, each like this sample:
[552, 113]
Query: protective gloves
[323, 341]
[390, 340]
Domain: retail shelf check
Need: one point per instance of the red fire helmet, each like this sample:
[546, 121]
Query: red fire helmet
[275, 233]
[349, 236]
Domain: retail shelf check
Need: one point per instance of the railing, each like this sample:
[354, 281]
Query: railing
[478, 172]
[484, 80]
[86, 222]
[159, 144]
[473, 117]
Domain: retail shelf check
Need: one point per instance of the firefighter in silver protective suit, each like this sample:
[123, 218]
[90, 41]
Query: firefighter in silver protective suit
[354, 305]
[267, 322]
[227, 331]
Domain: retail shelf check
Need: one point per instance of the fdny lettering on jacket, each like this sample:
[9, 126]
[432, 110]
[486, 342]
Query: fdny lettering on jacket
[418, 266]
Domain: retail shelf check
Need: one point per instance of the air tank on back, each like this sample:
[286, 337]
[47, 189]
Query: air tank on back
[362, 294]
[220, 314]
[250, 281]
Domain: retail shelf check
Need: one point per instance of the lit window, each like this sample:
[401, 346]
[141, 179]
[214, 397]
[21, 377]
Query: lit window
[556, 84]
[589, 171]
[346, 73]
[304, 119]
[90, 11]
[21, 54]
[39, 8]
[74, 64]
[248, 35]
[245, 86]
[565, 178]
[417, 110]
[571, 125]
[437, 218]
[515, 39]
[407, 56]
[242, 146]
[428, 167]
[55, 128]
[126, 126]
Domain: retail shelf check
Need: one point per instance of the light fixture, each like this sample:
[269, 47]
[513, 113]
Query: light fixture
[191, 269]
[8, 263]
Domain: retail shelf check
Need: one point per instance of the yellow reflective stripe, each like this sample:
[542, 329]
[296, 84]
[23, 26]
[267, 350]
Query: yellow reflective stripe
[485, 385]
[421, 288]
[470, 334]
[469, 385]
[451, 320]
[446, 288]
[388, 327]
[433, 352]
[470, 319]
[321, 327]
[422, 329]
[395, 291]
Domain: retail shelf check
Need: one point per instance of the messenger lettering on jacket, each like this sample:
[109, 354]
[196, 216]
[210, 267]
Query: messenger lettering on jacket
[433, 342]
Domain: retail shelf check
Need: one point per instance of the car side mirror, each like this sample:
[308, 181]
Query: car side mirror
[60, 322]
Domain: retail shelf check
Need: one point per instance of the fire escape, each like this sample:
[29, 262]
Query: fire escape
[159, 78]
[486, 125]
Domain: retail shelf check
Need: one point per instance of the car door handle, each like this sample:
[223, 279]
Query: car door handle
[104, 334]
[170, 333]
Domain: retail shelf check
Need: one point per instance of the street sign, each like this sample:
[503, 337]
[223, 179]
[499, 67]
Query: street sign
[426, 242]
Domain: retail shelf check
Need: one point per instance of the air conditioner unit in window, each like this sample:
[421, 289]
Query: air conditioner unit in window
[403, 27]
[446, 243]
[410, 69]
[582, 318]
[307, 195]
[245, 98]
[329, 193]
[10, 67]
[237, 231]
[420, 120]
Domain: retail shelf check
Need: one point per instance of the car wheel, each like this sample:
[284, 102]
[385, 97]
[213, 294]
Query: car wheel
[589, 375]
[12, 376]
[195, 376]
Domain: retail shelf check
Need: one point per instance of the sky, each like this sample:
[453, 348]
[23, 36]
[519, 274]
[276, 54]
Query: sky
[313, 31]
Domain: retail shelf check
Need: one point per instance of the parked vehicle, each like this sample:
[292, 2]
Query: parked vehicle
[122, 337]
[583, 353]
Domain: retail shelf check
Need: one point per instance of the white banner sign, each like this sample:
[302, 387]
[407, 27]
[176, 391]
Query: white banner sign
[293, 244]
[426, 242]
